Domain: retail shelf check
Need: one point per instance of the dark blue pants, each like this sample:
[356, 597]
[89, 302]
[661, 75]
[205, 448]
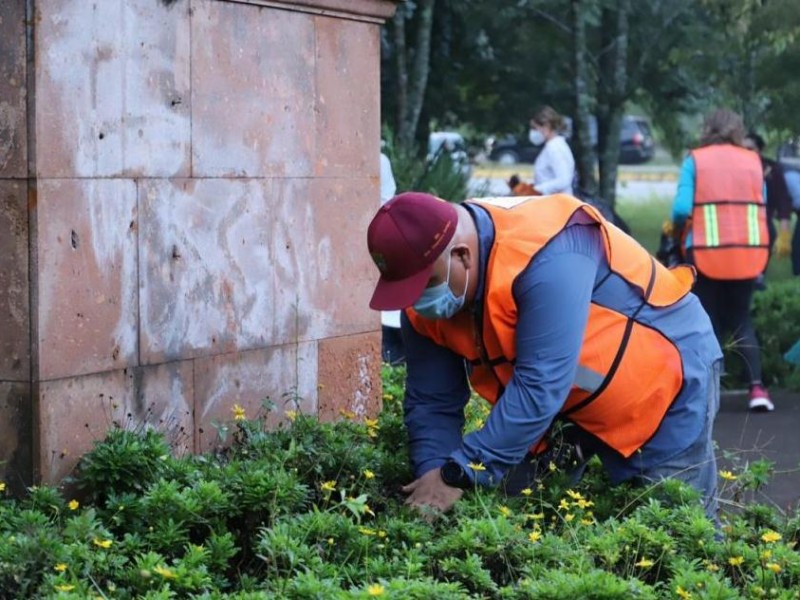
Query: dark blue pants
[796, 247]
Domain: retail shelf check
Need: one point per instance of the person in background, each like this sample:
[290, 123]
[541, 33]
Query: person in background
[793, 184]
[720, 210]
[553, 316]
[392, 350]
[554, 168]
[779, 202]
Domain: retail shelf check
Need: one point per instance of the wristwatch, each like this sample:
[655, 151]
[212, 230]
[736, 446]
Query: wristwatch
[453, 474]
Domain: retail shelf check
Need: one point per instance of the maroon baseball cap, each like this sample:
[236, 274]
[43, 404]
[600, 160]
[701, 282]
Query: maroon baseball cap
[405, 238]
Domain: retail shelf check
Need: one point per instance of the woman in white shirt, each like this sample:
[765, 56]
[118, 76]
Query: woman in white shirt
[554, 169]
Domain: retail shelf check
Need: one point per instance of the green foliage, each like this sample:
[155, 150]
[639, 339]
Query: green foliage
[775, 316]
[125, 461]
[439, 175]
[312, 510]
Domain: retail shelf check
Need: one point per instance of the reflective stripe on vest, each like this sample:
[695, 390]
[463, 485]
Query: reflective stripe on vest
[628, 373]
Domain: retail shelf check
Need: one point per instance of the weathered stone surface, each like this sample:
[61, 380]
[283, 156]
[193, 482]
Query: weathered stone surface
[324, 276]
[283, 375]
[112, 88]
[350, 376]
[252, 91]
[16, 435]
[206, 267]
[348, 99]
[15, 341]
[372, 11]
[87, 300]
[164, 400]
[75, 412]
[13, 112]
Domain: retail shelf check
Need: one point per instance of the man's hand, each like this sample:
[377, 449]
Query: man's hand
[430, 492]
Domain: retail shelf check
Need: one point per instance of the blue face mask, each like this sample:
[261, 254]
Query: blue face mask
[439, 301]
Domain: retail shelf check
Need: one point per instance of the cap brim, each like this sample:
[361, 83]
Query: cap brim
[394, 295]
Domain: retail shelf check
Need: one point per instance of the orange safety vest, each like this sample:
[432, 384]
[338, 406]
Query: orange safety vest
[730, 239]
[628, 374]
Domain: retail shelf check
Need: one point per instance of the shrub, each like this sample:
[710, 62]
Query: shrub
[312, 510]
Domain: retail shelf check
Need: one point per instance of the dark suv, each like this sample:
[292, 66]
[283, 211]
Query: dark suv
[635, 141]
[635, 144]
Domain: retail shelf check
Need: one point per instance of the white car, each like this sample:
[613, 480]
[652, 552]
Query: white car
[452, 143]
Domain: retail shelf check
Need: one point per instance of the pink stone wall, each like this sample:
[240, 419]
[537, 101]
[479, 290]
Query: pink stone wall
[185, 188]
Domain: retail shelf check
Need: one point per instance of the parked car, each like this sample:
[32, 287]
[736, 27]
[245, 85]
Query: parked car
[636, 143]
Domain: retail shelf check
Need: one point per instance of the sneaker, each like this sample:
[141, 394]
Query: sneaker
[759, 399]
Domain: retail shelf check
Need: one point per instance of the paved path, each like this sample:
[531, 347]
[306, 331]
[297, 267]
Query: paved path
[752, 436]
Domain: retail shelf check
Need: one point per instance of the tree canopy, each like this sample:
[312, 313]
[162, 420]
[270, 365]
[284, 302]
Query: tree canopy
[483, 67]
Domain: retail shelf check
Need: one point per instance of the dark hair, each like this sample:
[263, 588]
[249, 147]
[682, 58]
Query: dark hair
[722, 126]
[757, 140]
[546, 115]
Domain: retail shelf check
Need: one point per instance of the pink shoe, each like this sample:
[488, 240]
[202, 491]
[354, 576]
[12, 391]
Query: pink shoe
[759, 399]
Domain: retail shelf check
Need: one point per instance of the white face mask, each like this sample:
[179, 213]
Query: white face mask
[536, 137]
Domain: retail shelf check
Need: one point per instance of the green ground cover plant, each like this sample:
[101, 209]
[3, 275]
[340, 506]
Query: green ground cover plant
[313, 510]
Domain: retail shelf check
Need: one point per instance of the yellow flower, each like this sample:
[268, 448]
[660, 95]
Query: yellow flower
[382, 534]
[73, 504]
[505, 511]
[563, 505]
[102, 543]
[535, 536]
[366, 531]
[368, 510]
[574, 495]
[774, 567]
[476, 466]
[552, 466]
[683, 593]
[347, 414]
[587, 522]
[61, 567]
[644, 563]
[369, 474]
[64, 587]
[526, 492]
[291, 415]
[376, 589]
[728, 476]
[766, 554]
[584, 503]
[735, 561]
[770, 536]
[331, 541]
[371, 423]
[328, 486]
[711, 567]
[2, 486]
[238, 413]
[165, 572]
[568, 517]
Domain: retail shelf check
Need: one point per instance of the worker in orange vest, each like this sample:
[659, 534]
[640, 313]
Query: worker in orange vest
[720, 208]
[553, 316]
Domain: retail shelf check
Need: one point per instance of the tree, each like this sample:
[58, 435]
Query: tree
[412, 65]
